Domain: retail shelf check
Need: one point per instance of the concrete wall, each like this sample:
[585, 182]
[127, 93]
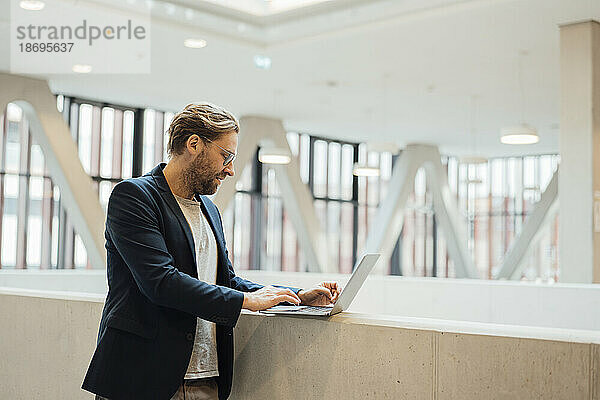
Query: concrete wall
[355, 358]
[46, 345]
[49, 338]
[494, 302]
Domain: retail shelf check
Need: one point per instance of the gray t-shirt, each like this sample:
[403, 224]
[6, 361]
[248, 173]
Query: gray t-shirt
[203, 362]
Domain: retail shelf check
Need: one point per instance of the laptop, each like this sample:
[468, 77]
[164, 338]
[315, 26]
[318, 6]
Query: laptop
[344, 299]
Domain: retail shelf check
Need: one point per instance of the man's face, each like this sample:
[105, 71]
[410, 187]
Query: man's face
[206, 170]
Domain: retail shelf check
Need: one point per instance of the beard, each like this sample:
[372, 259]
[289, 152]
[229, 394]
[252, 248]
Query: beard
[200, 177]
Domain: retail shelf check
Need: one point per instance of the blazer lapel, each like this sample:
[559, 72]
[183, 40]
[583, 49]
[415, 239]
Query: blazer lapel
[214, 223]
[167, 195]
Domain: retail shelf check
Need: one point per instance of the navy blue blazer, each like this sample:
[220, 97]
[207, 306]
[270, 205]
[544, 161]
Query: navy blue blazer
[148, 323]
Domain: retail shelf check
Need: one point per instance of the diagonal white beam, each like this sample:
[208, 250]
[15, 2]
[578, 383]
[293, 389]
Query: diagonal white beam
[531, 232]
[50, 130]
[248, 143]
[296, 196]
[299, 203]
[385, 229]
[448, 215]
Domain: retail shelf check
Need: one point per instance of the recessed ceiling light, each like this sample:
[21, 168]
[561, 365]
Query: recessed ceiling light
[170, 8]
[364, 170]
[262, 62]
[82, 68]
[522, 134]
[32, 5]
[194, 43]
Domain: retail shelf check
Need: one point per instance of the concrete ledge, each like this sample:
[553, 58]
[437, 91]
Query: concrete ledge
[67, 280]
[430, 324]
[491, 302]
[353, 356]
[54, 294]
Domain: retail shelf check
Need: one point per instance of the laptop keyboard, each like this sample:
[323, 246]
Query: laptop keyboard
[316, 309]
[307, 310]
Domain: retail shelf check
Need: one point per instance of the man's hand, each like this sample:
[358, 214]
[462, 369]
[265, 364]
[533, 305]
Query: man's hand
[325, 293]
[268, 297]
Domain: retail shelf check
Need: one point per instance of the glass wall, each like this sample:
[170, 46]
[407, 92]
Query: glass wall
[29, 201]
[495, 198]
[116, 142]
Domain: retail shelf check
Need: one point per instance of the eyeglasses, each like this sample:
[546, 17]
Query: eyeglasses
[230, 156]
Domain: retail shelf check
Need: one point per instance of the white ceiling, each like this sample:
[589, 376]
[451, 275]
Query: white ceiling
[400, 71]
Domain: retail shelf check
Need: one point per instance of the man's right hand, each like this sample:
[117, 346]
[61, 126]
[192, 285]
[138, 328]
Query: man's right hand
[268, 297]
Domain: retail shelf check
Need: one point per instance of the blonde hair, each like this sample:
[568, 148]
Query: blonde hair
[205, 120]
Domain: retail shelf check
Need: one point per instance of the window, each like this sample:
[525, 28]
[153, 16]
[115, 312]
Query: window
[36, 228]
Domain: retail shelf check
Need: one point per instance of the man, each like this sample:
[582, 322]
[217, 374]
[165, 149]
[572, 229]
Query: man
[167, 326]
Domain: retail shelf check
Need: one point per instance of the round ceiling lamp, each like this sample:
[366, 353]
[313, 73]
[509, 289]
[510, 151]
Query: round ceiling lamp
[273, 155]
[521, 134]
[365, 170]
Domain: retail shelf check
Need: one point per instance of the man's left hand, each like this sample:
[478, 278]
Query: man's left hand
[324, 294]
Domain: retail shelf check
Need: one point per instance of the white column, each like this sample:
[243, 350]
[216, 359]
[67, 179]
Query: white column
[579, 179]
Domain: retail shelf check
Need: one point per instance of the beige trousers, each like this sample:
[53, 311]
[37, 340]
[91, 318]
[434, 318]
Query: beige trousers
[195, 389]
